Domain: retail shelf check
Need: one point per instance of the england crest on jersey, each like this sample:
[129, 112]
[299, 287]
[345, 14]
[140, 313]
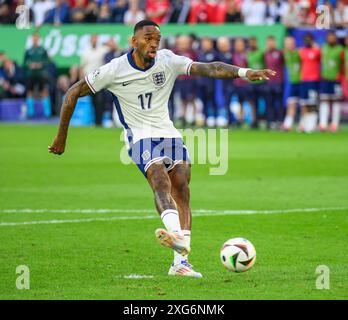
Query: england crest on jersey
[159, 78]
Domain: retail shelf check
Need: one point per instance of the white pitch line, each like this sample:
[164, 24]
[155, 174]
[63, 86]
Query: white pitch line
[89, 211]
[195, 213]
[137, 276]
[76, 211]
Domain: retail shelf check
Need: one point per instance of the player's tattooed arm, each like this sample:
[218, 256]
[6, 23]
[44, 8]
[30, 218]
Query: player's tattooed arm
[214, 70]
[223, 70]
[79, 89]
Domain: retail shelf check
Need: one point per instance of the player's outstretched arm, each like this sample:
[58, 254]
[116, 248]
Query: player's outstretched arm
[223, 70]
[79, 89]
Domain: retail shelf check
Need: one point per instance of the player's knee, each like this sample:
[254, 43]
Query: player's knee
[158, 178]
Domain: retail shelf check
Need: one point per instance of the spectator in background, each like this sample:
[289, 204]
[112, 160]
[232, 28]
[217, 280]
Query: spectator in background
[63, 85]
[119, 10]
[341, 14]
[13, 80]
[201, 12]
[35, 63]
[254, 12]
[64, 82]
[75, 74]
[241, 87]
[78, 12]
[2, 59]
[290, 16]
[224, 86]
[233, 12]
[52, 74]
[74, 3]
[2, 77]
[306, 16]
[219, 8]
[186, 85]
[157, 10]
[206, 86]
[133, 14]
[7, 16]
[274, 10]
[179, 11]
[293, 67]
[345, 73]
[91, 13]
[105, 14]
[114, 51]
[91, 60]
[256, 61]
[330, 86]
[310, 77]
[40, 9]
[274, 60]
[59, 14]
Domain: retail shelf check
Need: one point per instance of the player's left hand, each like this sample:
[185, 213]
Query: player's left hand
[265, 74]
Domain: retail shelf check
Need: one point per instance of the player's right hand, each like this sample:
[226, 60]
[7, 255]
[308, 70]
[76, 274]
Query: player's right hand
[265, 74]
[58, 145]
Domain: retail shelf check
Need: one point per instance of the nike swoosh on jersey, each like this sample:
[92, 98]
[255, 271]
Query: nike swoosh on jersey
[126, 83]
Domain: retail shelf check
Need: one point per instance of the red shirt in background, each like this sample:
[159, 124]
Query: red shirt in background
[72, 3]
[310, 64]
[207, 12]
[157, 10]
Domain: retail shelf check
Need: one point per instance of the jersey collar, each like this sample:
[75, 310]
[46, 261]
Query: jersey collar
[132, 62]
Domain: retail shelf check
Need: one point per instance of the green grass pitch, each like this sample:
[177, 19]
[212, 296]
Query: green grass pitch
[90, 255]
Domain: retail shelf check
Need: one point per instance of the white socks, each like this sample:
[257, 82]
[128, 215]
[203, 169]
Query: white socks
[177, 256]
[170, 218]
[187, 236]
[310, 121]
[336, 113]
[324, 114]
[288, 122]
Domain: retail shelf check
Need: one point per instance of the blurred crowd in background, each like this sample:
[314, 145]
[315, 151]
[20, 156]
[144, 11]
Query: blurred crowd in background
[311, 77]
[314, 76]
[292, 13]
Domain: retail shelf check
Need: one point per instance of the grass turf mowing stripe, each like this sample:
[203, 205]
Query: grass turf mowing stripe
[196, 213]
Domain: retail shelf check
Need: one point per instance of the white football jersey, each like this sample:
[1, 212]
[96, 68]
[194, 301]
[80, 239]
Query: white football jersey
[141, 96]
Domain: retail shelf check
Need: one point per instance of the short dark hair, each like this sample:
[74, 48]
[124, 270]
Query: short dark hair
[309, 35]
[331, 32]
[144, 23]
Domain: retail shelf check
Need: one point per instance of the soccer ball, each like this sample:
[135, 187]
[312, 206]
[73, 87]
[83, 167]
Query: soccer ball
[238, 254]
